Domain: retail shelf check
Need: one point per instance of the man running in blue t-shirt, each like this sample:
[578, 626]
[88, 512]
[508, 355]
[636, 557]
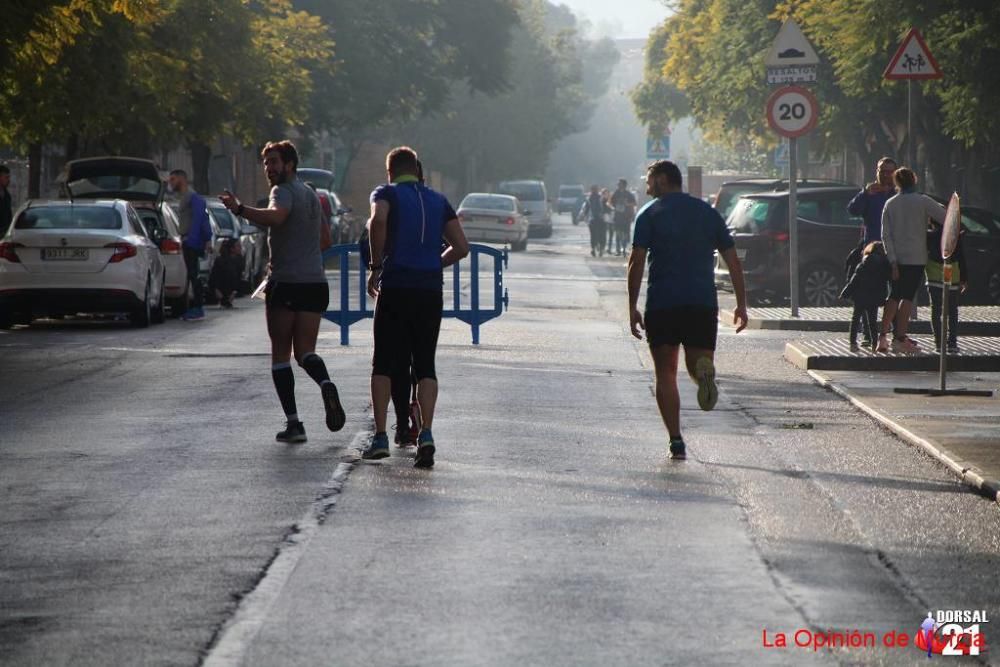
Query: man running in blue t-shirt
[408, 221]
[681, 234]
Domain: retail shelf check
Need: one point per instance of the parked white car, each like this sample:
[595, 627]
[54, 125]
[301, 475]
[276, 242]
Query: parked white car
[490, 218]
[61, 257]
[138, 181]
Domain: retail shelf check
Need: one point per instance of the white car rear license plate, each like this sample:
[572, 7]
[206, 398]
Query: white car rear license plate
[66, 254]
[741, 253]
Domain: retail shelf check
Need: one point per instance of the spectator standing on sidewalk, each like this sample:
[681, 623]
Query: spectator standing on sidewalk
[408, 221]
[904, 233]
[681, 235]
[935, 285]
[871, 200]
[867, 288]
[593, 211]
[196, 232]
[297, 293]
[6, 203]
[623, 204]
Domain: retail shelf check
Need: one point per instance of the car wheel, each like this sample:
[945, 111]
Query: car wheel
[820, 286]
[143, 315]
[159, 314]
[993, 286]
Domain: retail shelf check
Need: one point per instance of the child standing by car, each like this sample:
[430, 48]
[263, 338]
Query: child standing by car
[935, 285]
[868, 289]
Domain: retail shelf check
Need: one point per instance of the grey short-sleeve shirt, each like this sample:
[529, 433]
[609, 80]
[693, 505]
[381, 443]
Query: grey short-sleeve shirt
[295, 253]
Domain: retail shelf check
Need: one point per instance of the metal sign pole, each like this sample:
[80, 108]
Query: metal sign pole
[946, 287]
[910, 143]
[793, 227]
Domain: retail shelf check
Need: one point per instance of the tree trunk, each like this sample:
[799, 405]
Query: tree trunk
[201, 155]
[34, 170]
[72, 147]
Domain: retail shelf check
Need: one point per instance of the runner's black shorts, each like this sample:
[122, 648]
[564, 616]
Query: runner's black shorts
[298, 297]
[910, 278]
[407, 325]
[690, 326]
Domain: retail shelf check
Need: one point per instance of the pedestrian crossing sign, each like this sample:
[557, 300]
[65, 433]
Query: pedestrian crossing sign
[658, 147]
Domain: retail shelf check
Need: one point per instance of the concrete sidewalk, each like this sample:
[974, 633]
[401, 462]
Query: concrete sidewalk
[973, 320]
[961, 432]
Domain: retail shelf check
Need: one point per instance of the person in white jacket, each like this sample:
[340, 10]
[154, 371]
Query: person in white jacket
[904, 234]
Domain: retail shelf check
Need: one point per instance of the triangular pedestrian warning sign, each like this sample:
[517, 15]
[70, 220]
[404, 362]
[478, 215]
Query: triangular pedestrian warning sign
[913, 60]
[791, 47]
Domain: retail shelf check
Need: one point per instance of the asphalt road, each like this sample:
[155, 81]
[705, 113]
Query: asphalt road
[147, 514]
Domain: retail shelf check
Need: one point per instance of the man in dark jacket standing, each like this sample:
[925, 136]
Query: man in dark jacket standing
[871, 200]
[196, 232]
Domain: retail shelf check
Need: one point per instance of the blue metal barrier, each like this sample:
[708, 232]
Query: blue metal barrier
[475, 316]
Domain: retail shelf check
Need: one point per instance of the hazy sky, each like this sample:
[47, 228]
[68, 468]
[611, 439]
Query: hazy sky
[620, 18]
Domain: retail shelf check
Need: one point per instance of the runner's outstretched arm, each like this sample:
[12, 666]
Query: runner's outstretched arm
[272, 216]
[636, 270]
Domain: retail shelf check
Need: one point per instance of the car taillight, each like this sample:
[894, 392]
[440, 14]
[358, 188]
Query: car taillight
[509, 221]
[121, 251]
[170, 247]
[324, 201]
[8, 251]
[777, 236]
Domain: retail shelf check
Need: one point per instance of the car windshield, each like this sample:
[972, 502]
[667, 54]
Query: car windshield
[730, 194]
[749, 216]
[488, 203]
[523, 191]
[69, 217]
[95, 185]
[223, 218]
[570, 191]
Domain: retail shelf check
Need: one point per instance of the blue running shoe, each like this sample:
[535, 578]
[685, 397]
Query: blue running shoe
[425, 450]
[378, 449]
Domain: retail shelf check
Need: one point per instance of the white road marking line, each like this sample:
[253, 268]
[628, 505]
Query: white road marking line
[238, 633]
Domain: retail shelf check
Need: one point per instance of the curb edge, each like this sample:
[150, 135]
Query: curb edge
[969, 475]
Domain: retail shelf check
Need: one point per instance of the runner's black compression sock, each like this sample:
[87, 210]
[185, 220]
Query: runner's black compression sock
[284, 383]
[315, 367]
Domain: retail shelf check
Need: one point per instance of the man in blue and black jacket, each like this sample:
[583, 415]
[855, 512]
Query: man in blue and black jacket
[196, 232]
[408, 221]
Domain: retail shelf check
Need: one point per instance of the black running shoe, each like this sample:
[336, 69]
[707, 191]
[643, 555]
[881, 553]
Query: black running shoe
[294, 433]
[335, 417]
[677, 449]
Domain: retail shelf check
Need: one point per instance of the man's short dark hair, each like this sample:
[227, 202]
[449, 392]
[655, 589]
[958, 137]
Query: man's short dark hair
[179, 172]
[402, 160]
[904, 178]
[4, 169]
[286, 151]
[668, 169]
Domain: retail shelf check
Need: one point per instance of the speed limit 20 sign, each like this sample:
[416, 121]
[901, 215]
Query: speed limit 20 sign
[792, 111]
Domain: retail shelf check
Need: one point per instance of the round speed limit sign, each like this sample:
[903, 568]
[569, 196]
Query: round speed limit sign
[792, 111]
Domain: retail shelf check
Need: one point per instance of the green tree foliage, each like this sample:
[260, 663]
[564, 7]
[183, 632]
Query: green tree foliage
[113, 76]
[397, 60]
[712, 52]
[556, 78]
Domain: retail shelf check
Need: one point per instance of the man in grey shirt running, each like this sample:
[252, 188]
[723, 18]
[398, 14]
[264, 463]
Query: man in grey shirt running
[297, 291]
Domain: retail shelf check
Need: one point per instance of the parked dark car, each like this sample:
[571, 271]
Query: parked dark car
[827, 233]
[982, 253]
[730, 191]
